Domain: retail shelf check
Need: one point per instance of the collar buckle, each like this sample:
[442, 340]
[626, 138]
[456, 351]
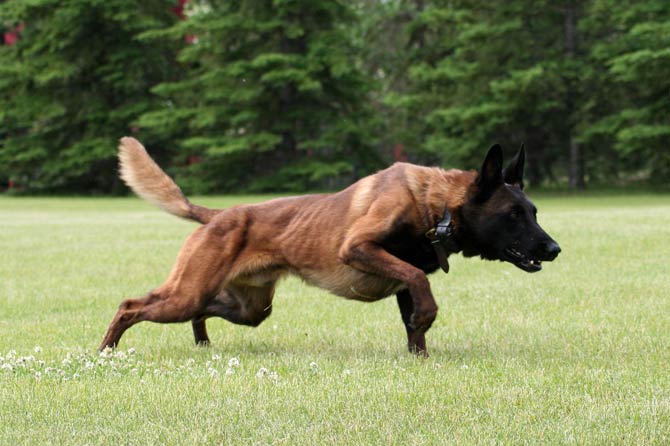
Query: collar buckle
[439, 237]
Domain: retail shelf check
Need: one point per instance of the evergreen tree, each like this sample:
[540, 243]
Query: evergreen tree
[485, 73]
[72, 84]
[273, 97]
[631, 60]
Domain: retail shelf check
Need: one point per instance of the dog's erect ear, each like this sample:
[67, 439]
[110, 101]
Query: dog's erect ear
[513, 173]
[490, 175]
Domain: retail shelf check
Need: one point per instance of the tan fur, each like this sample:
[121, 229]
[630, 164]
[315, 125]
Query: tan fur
[229, 266]
[147, 180]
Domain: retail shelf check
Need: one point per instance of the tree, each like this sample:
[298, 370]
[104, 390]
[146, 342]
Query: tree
[486, 73]
[631, 60]
[72, 84]
[273, 96]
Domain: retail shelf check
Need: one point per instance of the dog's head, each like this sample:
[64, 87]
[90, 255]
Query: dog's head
[498, 222]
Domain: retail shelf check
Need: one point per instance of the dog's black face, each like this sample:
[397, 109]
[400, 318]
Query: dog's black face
[499, 221]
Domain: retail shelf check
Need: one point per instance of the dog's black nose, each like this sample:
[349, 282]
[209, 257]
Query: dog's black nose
[551, 250]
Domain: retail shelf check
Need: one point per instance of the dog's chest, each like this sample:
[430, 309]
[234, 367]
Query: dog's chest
[413, 249]
[353, 284]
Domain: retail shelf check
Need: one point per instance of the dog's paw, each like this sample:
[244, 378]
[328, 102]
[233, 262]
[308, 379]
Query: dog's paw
[422, 320]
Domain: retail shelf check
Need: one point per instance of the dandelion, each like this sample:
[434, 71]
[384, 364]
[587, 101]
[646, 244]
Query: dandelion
[233, 362]
[261, 372]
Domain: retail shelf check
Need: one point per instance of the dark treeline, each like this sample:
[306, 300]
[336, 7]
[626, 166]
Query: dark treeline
[279, 95]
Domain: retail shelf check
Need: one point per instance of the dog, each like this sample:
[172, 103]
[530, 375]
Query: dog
[380, 236]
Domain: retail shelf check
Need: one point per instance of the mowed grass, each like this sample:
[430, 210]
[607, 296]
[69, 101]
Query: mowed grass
[576, 354]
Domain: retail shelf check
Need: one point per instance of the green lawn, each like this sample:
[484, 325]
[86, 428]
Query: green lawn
[576, 354]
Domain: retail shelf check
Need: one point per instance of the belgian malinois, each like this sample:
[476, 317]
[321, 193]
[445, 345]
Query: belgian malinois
[378, 237]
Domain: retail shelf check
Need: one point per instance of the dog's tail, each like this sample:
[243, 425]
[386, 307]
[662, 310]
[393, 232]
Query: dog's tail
[147, 179]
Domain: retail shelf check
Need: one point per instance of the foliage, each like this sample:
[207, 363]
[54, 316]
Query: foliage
[74, 82]
[633, 63]
[302, 94]
[272, 90]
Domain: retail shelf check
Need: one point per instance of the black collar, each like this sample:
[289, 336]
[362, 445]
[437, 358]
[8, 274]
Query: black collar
[441, 237]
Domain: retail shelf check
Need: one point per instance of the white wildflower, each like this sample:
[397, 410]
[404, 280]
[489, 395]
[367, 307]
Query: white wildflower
[314, 366]
[261, 372]
[213, 372]
[7, 366]
[216, 357]
[106, 352]
[120, 355]
[230, 371]
[38, 375]
[233, 362]
[346, 372]
[273, 376]
[131, 351]
[37, 349]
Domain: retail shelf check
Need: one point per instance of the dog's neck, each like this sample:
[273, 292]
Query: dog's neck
[449, 193]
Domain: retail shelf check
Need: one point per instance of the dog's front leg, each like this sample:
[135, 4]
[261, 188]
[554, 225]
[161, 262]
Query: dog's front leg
[416, 340]
[370, 257]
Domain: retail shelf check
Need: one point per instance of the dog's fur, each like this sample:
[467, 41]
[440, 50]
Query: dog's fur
[365, 242]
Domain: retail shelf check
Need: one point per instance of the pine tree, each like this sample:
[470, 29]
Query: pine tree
[273, 97]
[631, 62]
[73, 83]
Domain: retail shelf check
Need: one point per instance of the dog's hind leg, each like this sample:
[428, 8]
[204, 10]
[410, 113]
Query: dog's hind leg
[200, 330]
[157, 306]
[416, 339]
[242, 304]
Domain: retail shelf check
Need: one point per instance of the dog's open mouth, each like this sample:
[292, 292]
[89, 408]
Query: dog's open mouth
[522, 261]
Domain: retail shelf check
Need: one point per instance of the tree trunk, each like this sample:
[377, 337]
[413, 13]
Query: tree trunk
[576, 165]
[576, 169]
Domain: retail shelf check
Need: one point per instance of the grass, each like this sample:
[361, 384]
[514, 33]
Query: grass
[576, 354]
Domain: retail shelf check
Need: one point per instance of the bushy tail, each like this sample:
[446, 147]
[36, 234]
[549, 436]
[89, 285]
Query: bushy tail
[146, 179]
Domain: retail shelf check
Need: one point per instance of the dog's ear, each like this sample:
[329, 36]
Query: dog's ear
[513, 173]
[490, 175]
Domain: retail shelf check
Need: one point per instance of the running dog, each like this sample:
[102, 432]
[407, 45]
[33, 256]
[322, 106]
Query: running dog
[380, 236]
